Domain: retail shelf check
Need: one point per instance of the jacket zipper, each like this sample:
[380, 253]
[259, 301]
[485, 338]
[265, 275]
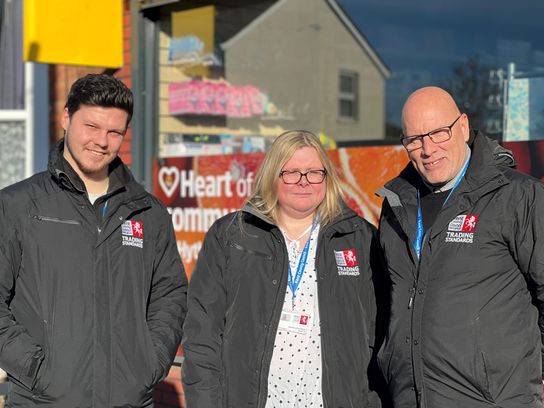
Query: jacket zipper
[321, 239]
[54, 219]
[416, 277]
[413, 291]
[267, 354]
[412, 295]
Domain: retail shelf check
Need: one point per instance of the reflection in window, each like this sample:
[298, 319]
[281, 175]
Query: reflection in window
[348, 94]
[236, 72]
[12, 152]
[11, 58]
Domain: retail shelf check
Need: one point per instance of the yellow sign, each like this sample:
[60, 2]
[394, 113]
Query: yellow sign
[80, 32]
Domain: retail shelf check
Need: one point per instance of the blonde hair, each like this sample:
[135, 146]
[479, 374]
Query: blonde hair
[264, 197]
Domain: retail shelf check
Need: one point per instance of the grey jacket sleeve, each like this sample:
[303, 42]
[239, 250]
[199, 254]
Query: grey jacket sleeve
[204, 326]
[168, 298]
[529, 244]
[20, 355]
[379, 396]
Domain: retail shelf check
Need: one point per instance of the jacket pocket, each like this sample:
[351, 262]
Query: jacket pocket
[43, 377]
[155, 370]
[249, 251]
[480, 364]
[45, 218]
[383, 359]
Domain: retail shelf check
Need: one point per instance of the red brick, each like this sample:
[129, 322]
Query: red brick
[157, 395]
[172, 399]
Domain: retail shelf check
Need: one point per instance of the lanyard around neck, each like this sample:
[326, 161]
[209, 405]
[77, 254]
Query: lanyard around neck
[294, 281]
[420, 230]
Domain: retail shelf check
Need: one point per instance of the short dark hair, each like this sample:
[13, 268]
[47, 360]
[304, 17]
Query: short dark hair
[100, 90]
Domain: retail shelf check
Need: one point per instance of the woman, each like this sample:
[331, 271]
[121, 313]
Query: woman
[281, 308]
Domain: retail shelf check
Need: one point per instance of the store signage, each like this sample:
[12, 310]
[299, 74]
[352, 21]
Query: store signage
[83, 32]
[199, 190]
[189, 51]
[183, 145]
[215, 98]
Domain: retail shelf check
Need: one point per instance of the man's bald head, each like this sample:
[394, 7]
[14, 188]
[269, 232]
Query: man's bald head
[432, 109]
[427, 104]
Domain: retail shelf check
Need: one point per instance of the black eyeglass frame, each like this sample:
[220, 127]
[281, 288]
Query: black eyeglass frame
[406, 140]
[301, 174]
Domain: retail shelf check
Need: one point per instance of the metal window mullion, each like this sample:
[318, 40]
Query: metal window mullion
[29, 120]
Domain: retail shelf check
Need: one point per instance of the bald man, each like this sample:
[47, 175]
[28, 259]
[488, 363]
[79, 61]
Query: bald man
[463, 236]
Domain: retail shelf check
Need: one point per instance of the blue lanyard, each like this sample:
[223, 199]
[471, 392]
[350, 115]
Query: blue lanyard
[420, 231]
[104, 209]
[294, 282]
[418, 241]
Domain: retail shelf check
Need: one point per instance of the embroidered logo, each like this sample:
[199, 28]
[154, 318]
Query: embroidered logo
[303, 320]
[132, 233]
[461, 229]
[346, 262]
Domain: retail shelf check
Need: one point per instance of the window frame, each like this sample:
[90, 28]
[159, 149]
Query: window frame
[351, 97]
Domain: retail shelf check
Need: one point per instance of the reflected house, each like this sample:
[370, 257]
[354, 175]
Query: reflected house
[316, 67]
[255, 71]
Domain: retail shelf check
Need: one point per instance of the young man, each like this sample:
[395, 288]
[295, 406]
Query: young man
[462, 233]
[92, 289]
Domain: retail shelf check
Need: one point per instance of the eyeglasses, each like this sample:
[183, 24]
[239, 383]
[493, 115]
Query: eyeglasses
[294, 176]
[439, 135]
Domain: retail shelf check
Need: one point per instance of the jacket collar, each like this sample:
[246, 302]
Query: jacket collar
[62, 172]
[352, 221]
[483, 175]
[484, 171]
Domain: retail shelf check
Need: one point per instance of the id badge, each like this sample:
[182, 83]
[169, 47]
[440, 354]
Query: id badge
[294, 322]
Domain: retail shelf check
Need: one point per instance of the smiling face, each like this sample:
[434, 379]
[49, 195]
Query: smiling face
[93, 137]
[428, 109]
[301, 200]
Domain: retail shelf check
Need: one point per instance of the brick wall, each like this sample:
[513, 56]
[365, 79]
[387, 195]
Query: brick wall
[61, 77]
[124, 75]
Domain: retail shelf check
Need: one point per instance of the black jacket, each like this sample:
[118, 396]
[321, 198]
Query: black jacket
[236, 295]
[91, 306]
[464, 328]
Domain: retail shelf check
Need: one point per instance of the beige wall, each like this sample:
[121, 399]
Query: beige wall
[341, 52]
[295, 55]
